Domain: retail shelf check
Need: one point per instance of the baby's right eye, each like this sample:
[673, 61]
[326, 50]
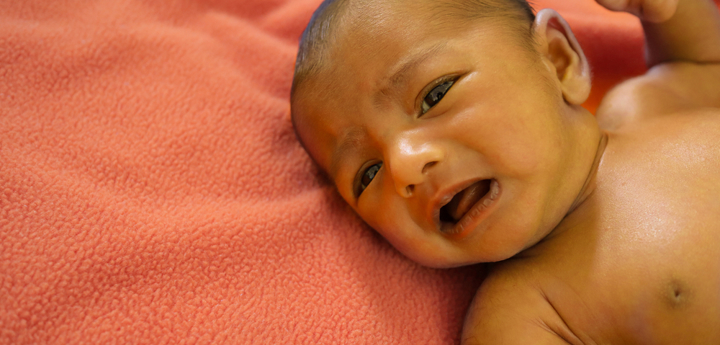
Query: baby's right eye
[367, 176]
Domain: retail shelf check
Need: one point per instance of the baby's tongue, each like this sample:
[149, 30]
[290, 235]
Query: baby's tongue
[463, 201]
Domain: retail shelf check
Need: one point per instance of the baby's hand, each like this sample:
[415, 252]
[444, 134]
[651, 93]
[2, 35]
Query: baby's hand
[655, 11]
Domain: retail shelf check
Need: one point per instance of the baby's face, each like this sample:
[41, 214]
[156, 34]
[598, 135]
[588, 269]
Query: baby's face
[449, 142]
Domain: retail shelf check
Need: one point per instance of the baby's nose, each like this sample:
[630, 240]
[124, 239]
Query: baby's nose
[409, 163]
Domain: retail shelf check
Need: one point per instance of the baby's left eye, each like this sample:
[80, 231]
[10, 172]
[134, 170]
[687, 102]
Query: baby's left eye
[436, 95]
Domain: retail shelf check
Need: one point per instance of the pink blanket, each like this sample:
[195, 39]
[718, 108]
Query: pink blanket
[152, 190]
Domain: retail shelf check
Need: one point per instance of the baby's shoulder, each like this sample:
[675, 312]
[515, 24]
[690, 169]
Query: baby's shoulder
[511, 308]
[670, 89]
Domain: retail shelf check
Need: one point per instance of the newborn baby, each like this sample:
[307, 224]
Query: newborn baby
[455, 129]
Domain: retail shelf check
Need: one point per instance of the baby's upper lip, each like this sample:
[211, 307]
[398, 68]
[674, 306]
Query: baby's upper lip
[445, 195]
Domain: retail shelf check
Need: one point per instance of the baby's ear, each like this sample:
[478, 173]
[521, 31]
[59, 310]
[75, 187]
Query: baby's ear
[563, 56]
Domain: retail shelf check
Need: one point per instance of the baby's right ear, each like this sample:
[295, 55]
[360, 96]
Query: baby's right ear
[563, 56]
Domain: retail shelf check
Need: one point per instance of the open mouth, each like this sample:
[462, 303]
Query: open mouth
[473, 199]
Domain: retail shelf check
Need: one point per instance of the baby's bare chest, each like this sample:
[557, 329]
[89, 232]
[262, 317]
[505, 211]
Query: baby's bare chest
[647, 268]
[653, 274]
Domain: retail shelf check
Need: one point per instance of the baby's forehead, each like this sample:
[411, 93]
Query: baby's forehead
[378, 24]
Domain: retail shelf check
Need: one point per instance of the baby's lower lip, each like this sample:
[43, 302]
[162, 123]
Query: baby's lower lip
[477, 213]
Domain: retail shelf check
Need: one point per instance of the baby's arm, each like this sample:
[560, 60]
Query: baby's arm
[683, 50]
[692, 34]
[675, 30]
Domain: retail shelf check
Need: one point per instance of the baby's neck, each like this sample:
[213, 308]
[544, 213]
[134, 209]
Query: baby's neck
[589, 185]
[570, 219]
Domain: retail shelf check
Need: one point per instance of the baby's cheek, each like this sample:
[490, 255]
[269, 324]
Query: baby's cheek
[390, 219]
[384, 217]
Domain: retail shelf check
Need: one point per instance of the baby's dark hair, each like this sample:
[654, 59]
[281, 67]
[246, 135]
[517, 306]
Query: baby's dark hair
[321, 31]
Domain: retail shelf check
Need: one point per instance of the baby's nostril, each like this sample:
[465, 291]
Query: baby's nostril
[428, 166]
[410, 189]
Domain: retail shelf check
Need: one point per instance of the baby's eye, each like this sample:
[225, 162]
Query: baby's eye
[436, 95]
[367, 177]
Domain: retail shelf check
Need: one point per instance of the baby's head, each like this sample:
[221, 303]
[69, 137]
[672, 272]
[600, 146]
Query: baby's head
[452, 127]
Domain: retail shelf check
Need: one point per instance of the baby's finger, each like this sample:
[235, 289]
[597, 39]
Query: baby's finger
[657, 11]
[615, 5]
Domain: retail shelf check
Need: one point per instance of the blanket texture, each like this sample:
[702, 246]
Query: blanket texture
[152, 190]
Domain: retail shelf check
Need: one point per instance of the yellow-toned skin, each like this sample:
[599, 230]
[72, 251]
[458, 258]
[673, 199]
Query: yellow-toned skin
[606, 230]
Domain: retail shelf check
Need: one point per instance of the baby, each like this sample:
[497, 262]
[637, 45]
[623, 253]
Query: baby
[455, 129]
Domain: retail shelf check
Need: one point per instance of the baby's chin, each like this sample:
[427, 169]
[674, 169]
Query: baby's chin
[513, 240]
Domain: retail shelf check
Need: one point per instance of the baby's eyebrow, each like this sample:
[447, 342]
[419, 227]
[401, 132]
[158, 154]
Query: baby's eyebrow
[349, 139]
[401, 72]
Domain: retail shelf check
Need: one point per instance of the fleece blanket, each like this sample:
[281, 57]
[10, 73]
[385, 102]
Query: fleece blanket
[152, 190]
